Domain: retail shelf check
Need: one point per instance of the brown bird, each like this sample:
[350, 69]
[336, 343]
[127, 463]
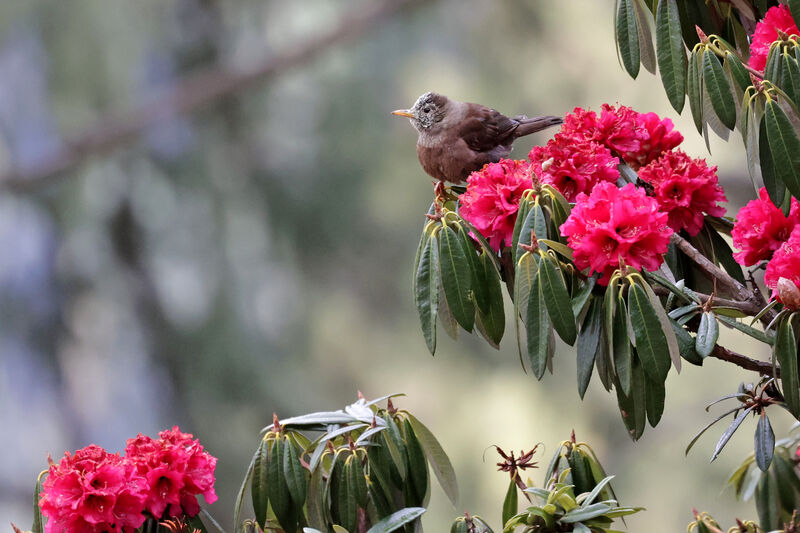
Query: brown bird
[457, 138]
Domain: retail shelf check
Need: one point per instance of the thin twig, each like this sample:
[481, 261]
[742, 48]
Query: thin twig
[745, 307]
[194, 92]
[748, 363]
[725, 281]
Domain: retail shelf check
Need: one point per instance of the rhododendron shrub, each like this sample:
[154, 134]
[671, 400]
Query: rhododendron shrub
[96, 491]
[612, 227]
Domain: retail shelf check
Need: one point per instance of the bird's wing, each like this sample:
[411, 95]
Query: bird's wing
[483, 129]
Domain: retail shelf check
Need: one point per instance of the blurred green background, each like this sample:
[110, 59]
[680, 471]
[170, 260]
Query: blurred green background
[255, 256]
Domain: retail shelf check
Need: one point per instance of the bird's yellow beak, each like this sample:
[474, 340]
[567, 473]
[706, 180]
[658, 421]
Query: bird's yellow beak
[403, 113]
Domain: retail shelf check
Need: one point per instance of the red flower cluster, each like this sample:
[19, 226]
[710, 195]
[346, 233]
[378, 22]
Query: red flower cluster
[685, 188]
[94, 491]
[613, 225]
[176, 469]
[777, 18]
[785, 266]
[492, 199]
[761, 228]
[573, 168]
[581, 155]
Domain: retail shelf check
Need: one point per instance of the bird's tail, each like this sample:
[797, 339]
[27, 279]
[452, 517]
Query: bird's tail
[534, 124]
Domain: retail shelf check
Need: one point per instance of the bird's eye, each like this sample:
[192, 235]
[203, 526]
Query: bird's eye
[426, 110]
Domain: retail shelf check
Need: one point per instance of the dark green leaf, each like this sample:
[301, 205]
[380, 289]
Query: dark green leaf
[728, 433]
[647, 53]
[623, 354]
[655, 400]
[437, 458]
[767, 503]
[794, 8]
[719, 90]
[632, 407]
[258, 489]
[686, 345]
[537, 329]
[738, 73]
[724, 255]
[786, 354]
[393, 440]
[582, 296]
[772, 69]
[479, 287]
[790, 77]
[666, 328]
[456, 278]
[776, 189]
[581, 471]
[651, 344]
[417, 463]
[510, 502]
[589, 340]
[764, 442]
[397, 520]
[695, 88]
[784, 147]
[426, 295]
[277, 490]
[707, 334]
[628, 36]
[557, 300]
[785, 475]
[522, 216]
[296, 476]
[315, 506]
[493, 320]
[671, 54]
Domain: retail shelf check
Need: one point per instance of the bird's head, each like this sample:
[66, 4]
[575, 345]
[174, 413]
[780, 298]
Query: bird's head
[428, 110]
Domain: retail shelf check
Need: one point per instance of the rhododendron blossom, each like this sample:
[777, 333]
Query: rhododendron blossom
[616, 224]
[777, 18]
[94, 491]
[620, 129]
[176, 469]
[491, 200]
[761, 228]
[573, 168]
[785, 264]
[661, 137]
[685, 189]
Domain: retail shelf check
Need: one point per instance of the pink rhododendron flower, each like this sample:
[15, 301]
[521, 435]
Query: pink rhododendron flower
[620, 129]
[572, 167]
[491, 200]
[661, 137]
[776, 18]
[90, 491]
[94, 491]
[176, 469]
[785, 266]
[761, 228]
[613, 224]
[685, 188]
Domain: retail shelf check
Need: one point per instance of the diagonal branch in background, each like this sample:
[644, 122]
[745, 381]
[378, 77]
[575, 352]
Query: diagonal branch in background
[194, 92]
